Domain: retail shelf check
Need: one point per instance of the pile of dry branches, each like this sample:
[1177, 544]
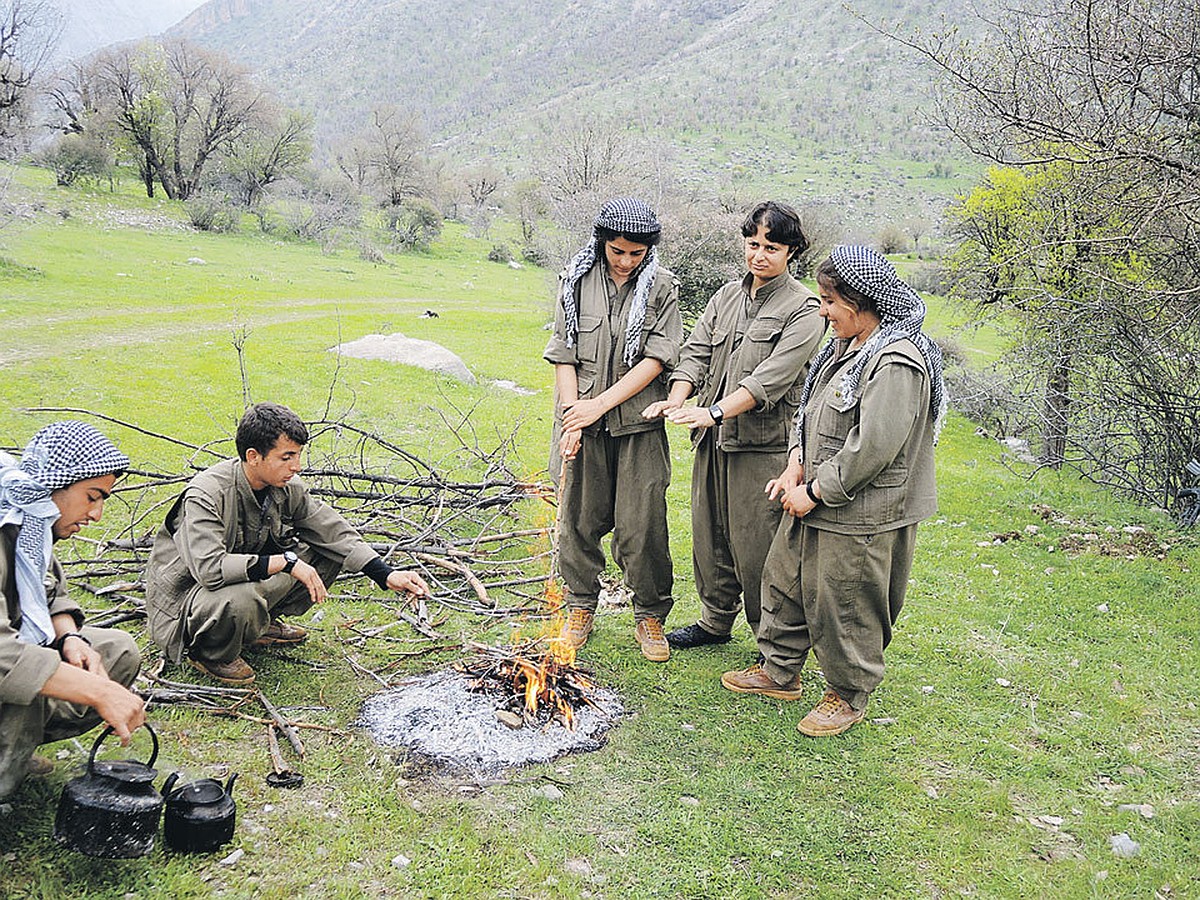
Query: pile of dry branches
[456, 522]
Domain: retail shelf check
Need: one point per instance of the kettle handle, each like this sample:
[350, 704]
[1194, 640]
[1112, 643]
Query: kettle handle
[91, 766]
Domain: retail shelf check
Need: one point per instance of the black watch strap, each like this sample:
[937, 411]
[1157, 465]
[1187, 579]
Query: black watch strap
[289, 561]
[718, 414]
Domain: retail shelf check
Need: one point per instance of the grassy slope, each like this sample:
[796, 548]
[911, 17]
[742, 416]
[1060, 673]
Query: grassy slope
[934, 800]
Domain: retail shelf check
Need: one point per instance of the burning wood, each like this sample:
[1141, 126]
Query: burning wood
[537, 680]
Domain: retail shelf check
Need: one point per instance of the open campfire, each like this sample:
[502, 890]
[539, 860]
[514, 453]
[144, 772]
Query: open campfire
[536, 681]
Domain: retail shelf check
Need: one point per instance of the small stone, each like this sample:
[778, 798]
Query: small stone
[688, 726]
[1003, 682]
[400, 861]
[1123, 846]
[1145, 810]
[317, 616]
[1032, 529]
[549, 792]
[931, 792]
[887, 720]
[6, 810]
[1101, 607]
[232, 858]
[689, 801]
[270, 807]
[509, 719]
[927, 689]
[196, 261]
[63, 754]
[580, 867]
[776, 854]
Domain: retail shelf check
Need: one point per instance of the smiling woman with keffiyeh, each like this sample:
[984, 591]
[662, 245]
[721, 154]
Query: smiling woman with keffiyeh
[57, 679]
[859, 478]
[617, 333]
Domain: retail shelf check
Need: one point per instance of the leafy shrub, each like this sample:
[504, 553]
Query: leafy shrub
[212, 214]
[414, 224]
[501, 253]
[78, 158]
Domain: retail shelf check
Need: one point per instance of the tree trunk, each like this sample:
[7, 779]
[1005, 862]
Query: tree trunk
[1055, 415]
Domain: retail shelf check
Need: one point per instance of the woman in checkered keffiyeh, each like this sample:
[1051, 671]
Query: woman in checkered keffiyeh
[859, 479]
[617, 333]
[58, 456]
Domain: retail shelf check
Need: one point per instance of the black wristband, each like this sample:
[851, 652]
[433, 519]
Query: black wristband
[57, 644]
[378, 571]
[257, 570]
[812, 495]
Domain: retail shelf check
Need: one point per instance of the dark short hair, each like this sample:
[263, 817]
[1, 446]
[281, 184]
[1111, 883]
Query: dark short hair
[782, 224]
[830, 278]
[263, 424]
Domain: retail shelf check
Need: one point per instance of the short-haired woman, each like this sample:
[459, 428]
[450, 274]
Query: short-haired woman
[616, 332]
[858, 481]
[745, 361]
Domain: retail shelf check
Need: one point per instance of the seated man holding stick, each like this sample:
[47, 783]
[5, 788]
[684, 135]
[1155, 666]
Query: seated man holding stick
[246, 543]
[58, 678]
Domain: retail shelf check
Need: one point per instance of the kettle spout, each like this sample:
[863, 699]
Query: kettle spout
[229, 784]
[169, 783]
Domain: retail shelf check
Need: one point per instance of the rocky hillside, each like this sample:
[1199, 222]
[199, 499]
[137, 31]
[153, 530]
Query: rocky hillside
[91, 24]
[757, 89]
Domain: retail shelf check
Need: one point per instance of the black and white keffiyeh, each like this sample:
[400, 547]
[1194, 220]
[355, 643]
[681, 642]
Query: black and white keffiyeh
[901, 315]
[58, 455]
[629, 216]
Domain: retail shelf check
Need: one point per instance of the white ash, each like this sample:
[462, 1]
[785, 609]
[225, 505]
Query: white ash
[442, 722]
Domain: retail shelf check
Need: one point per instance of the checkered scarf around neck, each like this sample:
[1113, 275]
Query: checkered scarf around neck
[628, 216]
[901, 315]
[58, 455]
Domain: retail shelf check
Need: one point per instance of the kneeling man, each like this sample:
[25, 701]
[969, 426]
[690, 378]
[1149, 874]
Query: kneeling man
[246, 543]
[58, 678]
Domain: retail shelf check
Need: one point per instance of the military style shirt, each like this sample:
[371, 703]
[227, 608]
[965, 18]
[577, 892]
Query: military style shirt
[873, 462]
[599, 352]
[763, 344]
[218, 528]
[25, 668]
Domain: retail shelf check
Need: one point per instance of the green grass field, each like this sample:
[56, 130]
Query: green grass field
[1040, 698]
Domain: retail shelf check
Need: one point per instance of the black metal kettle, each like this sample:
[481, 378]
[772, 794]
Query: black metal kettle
[200, 815]
[111, 810]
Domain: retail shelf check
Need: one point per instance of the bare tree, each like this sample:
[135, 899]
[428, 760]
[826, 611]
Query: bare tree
[179, 106]
[29, 31]
[1090, 231]
[395, 149]
[266, 155]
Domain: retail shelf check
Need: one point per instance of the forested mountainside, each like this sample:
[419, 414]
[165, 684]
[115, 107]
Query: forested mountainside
[91, 24]
[721, 79]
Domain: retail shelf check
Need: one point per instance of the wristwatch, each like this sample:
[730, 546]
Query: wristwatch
[717, 413]
[289, 561]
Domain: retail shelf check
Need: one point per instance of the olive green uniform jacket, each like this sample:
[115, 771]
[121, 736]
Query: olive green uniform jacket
[618, 481]
[27, 718]
[199, 563]
[762, 344]
[835, 580]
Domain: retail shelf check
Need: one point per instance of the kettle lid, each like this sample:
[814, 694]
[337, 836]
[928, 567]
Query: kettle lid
[202, 792]
[129, 771]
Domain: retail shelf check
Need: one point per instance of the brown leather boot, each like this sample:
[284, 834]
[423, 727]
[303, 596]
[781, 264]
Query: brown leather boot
[755, 681]
[280, 632]
[235, 672]
[578, 627]
[832, 715]
[650, 637]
